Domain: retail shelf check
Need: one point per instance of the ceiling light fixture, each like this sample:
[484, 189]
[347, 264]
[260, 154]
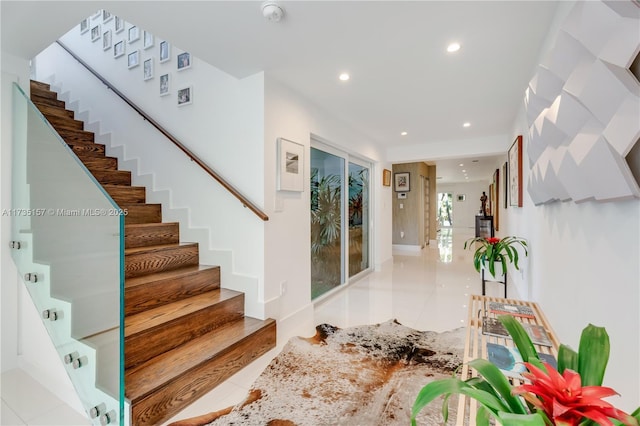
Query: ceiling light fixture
[464, 171]
[403, 134]
[272, 11]
[461, 164]
[344, 76]
[453, 47]
[467, 124]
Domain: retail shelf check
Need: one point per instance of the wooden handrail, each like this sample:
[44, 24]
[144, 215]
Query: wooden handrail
[245, 202]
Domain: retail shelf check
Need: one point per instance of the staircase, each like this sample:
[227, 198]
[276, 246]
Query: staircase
[184, 334]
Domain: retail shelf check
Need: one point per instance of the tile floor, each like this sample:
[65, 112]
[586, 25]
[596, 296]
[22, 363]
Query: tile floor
[427, 291]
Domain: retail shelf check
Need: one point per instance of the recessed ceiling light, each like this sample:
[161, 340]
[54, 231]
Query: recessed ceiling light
[344, 76]
[464, 171]
[461, 164]
[453, 47]
[467, 124]
[403, 134]
[466, 177]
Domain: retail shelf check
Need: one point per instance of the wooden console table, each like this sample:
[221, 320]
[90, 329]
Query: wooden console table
[476, 345]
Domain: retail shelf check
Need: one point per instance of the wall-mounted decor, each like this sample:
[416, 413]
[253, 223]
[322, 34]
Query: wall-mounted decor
[496, 198]
[401, 182]
[165, 84]
[95, 33]
[505, 180]
[147, 40]
[386, 177]
[133, 59]
[84, 26]
[106, 16]
[147, 69]
[184, 61]
[106, 40]
[290, 166]
[461, 197]
[165, 51]
[134, 34]
[515, 172]
[185, 96]
[119, 25]
[118, 49]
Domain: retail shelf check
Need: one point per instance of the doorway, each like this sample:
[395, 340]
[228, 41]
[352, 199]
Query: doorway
[445, 212]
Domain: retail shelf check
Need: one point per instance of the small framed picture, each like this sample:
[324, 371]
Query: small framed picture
[134, 34]
[386, 177]
[461, 197]
[290, 172]
[165, 83]
[106, 40]
[401, 182]
[95, 33]
[185, 96]
[147, 40]
[133, 59]
[147, 69]
[119, 25]
[165, 51]
[106, 16]
[184, 61]
[118, 49]
[84, 26]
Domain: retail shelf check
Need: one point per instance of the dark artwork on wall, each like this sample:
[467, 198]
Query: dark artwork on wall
[496, 198]
[506, 184]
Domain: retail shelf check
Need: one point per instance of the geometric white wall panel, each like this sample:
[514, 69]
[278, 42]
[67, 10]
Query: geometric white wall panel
[578, 142]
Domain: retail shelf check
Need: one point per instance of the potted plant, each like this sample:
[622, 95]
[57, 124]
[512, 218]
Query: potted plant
[496, 250]
[571, 395]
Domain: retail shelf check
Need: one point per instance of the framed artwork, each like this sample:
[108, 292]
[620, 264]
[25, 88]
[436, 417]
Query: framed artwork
[185, 96]
[290, 173]
[505, 179]
[95, 33]
[386, 177]
[133, 59]
[401, 182]
[106, 16]
[165, 51]
[147, 69]
[496, 199]
[490, 201]
[147, 40]
[184, 61]
[134, 34]
[515, 173]
[119, 25]
[165, 84]
[84, 26]
[118, 49]
[106, 40]
[462, 197]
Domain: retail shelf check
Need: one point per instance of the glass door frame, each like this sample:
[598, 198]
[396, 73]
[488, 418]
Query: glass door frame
[323, 145]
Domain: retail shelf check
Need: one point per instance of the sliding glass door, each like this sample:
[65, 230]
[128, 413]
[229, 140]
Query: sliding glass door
[339, 219]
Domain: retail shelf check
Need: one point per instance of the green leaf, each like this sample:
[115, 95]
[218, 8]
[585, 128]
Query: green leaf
[593, 355]
[509, 419]
[567, 358]
[496, 378]
[519, 336]
[482, 416]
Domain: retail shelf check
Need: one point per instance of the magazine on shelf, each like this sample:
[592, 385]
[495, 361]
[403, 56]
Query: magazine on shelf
[510, 362]
[500, 308]
[493, 327]
[538, 334]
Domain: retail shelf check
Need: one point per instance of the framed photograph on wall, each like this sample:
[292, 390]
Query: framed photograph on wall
[147, 69]
[165, 84]
[147, 40]
[84, 26]
[185, 96]
[505, 180]
[515, 173]
[386, 177]
[134, 34]
[119, 25]
[133, 59]
[462, 197]
[95, 33]
[401, 182]
[165, 51]
[496, 198]
[290, 174]
[106, 40]
[184, 61]
[118, 49]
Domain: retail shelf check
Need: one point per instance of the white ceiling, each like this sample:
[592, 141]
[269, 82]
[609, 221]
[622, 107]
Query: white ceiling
[402, 78]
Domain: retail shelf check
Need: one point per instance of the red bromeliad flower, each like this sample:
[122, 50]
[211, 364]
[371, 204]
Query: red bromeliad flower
[565, 401]
[493, 240]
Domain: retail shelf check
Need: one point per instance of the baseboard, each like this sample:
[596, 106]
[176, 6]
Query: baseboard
[406, 248]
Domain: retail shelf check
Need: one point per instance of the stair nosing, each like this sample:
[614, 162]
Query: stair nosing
[133, 282]
[156, 247]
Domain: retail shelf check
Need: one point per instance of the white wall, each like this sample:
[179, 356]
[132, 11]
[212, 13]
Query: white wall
[287, 241]
[584, 267]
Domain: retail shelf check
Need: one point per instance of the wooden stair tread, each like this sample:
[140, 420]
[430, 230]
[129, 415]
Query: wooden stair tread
[138, 323]
[156, 248]
[157, 372]
[131, 283]
[39, 84]
[147, 234]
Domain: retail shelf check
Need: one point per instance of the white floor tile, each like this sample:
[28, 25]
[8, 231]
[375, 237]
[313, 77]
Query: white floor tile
[8, 417]
[61, 415]
[26, 397]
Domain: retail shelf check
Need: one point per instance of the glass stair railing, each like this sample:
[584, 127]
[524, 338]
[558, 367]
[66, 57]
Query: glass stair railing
[68, 245]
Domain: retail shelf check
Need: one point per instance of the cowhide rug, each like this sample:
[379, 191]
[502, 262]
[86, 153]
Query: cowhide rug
[367, 375]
